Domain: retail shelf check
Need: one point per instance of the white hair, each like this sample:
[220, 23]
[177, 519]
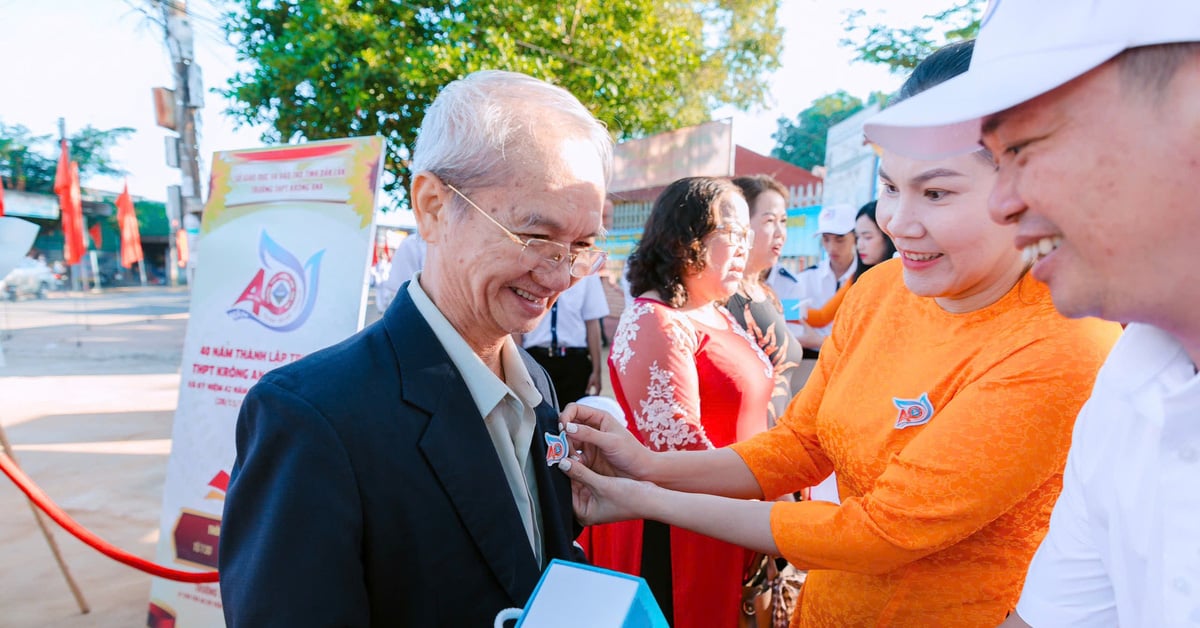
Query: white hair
[475, 127]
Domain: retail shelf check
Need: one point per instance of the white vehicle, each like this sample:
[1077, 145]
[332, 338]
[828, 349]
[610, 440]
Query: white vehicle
[32, 277]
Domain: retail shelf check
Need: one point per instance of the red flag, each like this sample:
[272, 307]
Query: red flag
[97, 236]
[66, 186]
[1, 196]
[131, 237]
[181, 247]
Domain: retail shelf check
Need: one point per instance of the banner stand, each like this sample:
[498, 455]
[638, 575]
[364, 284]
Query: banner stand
[84, 609]
[286, 234]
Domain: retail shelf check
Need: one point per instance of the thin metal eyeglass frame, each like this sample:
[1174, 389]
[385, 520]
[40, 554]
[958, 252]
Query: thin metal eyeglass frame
[727, 229]
[553, 262]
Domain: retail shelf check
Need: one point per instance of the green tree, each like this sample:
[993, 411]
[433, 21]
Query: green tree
[151, 216]
[23, 164]
[331, 68]
[28, 162]
[89, 146]
[802, 142]
[901, 48]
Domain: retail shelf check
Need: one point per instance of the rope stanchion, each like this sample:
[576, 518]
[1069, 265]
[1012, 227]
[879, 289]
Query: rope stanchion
[50, 542]
[64, 520]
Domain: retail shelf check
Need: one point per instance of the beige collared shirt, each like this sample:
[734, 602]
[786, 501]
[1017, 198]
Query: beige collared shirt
[505, 405]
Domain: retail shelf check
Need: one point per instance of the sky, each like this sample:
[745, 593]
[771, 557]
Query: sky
[95, 62]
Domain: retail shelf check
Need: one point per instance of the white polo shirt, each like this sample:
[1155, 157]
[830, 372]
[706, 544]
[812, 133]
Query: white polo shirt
[1124, 542]
[582, 302]
[817, 284]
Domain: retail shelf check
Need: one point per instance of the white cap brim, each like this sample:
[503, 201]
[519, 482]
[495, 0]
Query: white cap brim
[946, 119]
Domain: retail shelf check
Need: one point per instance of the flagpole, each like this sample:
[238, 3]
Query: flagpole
[131, 240]
[71, 183]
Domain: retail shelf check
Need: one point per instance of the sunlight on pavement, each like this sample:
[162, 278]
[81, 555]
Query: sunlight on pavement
[155, 447]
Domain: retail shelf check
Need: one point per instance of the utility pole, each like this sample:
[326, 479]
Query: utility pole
[189, 96]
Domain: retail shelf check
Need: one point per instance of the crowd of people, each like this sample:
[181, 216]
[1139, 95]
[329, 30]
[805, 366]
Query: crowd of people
[993, 370]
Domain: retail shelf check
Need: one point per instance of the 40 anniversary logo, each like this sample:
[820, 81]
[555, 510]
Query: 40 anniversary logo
[282, 293]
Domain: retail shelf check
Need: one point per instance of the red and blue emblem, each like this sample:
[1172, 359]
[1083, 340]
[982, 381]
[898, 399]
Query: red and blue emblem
[556, 448]
[913, 411]
[283, 292]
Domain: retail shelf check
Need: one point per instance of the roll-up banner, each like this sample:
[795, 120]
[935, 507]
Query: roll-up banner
[284, 253]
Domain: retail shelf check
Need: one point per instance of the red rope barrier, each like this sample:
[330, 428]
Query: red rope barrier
[60, 517]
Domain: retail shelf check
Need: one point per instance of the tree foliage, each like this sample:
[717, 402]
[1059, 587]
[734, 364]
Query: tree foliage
[902, 48]
[802, 142]
[332, 68]
[28, 161]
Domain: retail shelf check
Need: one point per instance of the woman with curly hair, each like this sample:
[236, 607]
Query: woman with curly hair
[677, 356]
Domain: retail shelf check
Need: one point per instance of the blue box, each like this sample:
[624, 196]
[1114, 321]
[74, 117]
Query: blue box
[583, 596]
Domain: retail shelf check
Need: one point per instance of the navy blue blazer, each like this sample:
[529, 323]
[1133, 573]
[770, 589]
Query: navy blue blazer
[367, 492]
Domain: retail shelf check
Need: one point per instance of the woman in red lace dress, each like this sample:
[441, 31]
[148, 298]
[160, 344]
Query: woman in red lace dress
[677, 356]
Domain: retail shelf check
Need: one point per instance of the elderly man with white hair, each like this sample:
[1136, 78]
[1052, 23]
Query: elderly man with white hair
[399, 478]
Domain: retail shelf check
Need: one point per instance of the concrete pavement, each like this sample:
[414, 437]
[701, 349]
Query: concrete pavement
[87, 397]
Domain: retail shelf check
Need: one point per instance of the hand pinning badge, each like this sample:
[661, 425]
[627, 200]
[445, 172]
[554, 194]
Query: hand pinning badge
[556, 448]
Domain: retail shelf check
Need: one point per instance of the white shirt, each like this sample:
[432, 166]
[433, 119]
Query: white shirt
[408, 258]
[1124, 542]
[818, 285]
[582, 302]
[506, 407]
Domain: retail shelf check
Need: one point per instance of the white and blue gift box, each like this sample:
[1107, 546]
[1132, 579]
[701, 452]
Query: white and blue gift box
[583, 596]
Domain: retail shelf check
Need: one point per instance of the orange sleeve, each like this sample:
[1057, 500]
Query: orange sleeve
[996, 442]
[822, 316]
[788, 457]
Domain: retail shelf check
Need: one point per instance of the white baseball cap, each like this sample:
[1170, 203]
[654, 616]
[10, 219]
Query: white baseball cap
[1026, 48]
[837, 219]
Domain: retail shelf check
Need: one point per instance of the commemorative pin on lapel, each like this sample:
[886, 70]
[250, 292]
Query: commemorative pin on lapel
[557, 448]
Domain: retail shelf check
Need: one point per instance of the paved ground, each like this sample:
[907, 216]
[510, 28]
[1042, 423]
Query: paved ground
[87, 397]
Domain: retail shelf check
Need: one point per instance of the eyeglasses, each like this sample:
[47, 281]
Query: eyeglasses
[735, 235]
[545, 256]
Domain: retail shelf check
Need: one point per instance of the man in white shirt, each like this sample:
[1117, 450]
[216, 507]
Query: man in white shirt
[1090, 109]
[406, 261]
[817, 284]
[567, 341]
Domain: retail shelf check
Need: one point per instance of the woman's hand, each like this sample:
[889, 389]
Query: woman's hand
[603, 444]
[593, 383]
[604, 499]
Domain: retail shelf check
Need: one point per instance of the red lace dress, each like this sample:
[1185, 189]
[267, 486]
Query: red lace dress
[685, 385]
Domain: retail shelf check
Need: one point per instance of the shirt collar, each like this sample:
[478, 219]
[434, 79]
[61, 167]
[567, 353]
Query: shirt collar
[486, 389]
[785, 273]
[1146, 354]
[827, 269]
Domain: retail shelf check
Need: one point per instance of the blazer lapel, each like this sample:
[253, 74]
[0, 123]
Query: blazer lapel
[554, 490]
[459, 450]
[559, 529]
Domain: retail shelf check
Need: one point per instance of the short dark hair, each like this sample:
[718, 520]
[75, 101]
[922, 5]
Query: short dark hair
[754, 185]
[1149, 69]
[672, 241]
